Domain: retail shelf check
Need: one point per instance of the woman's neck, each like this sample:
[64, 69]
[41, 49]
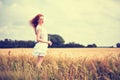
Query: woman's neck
[40, 24]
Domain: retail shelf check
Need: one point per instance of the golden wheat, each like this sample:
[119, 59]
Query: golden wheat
[61, 64]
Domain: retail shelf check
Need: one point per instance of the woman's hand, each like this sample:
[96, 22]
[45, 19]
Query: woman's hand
[49, 43]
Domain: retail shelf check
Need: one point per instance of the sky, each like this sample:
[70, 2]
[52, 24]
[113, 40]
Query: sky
[80, 21]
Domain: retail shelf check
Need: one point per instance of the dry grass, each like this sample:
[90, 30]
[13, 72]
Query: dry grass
[61, 64]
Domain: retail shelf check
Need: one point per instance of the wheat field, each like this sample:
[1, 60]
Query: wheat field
[61, 64]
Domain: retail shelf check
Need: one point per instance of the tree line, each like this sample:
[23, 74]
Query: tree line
[57, 40]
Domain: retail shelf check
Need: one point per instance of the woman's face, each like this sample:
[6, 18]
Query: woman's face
[41, 20]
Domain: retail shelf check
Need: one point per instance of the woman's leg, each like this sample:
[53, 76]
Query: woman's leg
[39, 61]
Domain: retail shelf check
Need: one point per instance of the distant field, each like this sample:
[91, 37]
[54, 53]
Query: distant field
[67, 52]
[61, 64]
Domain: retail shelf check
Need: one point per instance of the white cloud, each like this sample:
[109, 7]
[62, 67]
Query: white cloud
[0, 4]
[87, 21]
[17, 32]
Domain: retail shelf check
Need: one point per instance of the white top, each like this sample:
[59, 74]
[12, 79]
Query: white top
[43, 34]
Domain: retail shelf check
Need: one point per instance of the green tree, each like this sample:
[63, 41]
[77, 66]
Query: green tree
[57, 40]
[92, 46]
[118, 45]
[73, 45]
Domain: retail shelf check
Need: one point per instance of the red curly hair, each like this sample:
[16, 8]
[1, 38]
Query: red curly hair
[35, 20]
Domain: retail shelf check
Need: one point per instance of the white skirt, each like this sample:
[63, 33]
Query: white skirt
[40, 49]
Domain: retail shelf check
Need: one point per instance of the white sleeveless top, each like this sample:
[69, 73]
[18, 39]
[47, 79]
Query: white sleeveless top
[43, 34]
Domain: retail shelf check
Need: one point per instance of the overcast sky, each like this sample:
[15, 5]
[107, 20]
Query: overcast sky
[79, 21]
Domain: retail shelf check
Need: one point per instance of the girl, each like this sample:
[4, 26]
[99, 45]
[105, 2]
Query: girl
[41, 38]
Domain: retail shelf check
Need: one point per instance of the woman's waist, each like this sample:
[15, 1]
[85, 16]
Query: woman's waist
[42, 43]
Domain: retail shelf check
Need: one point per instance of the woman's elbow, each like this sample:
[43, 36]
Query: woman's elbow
[37, 39]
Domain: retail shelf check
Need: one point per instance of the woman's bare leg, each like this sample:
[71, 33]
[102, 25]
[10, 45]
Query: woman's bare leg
[39, 61]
